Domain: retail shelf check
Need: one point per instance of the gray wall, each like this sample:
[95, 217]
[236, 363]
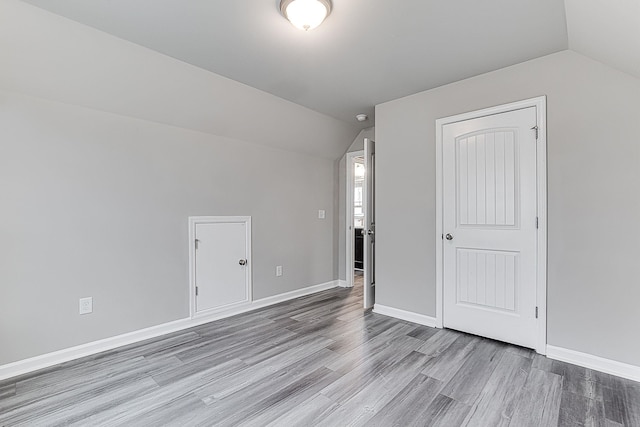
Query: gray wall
[107, 148]
[341, 165]
[593, 202]
[96, 204]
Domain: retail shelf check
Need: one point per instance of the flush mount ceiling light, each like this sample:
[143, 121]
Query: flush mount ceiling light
[305, 14]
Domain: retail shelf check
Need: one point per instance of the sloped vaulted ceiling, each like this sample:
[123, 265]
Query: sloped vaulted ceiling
[48, 56]
[607, 31]
[366, 52]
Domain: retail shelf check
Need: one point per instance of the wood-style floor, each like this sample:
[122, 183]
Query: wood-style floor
[319, 360]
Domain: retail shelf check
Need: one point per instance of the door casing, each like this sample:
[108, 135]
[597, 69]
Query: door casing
[193, 221]
[541, 171]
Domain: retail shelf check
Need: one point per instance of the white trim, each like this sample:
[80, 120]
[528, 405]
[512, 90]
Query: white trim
[264, 302]
[44, 361]
[345, 284]
[195, 220]
[220, 312]
[541, 281]
[439, 228]
[349, 240]
[613, 367]
[50, 359]
[409, 316]
[541, 159]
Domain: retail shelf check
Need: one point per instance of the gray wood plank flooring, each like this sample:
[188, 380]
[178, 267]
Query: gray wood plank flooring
[319, 360]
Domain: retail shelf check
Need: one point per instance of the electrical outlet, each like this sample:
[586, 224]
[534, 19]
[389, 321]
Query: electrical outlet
[86, 305]
[279, 270]
[321, 214]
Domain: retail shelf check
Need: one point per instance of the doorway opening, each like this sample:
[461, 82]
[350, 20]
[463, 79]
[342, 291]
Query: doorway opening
[355, 218]
[360, 222]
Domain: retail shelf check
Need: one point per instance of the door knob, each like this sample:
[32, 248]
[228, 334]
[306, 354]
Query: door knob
[369, 232]
[242, 262]
[449, 236]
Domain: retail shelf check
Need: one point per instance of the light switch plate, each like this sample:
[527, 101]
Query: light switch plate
[321, 214]
[279, 270]
[86, 305]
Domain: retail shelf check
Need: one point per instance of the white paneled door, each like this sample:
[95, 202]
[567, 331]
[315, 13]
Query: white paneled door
[221, 264]
[489, 226]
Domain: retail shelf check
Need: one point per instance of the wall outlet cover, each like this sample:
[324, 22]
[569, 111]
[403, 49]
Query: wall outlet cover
[321, 214]
[279, 270]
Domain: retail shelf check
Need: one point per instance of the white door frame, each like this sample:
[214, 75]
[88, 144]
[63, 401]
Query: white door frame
[541, 171]
[195, 220]
[349, 238]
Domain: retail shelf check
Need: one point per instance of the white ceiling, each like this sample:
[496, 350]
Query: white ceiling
[366, 52]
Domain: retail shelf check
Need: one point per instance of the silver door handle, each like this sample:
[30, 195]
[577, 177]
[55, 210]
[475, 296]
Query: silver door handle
[448, 237]
[242, 262]
[369, 232]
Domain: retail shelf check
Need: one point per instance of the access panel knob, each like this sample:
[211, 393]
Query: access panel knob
[242, 262]
[449, 236]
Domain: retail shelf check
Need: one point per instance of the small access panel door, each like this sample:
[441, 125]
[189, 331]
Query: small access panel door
[221, 264]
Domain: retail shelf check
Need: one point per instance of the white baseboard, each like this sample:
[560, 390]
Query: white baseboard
[409, 316]
[50, 359]
[344, 284]
[597, 363]
[263, 302]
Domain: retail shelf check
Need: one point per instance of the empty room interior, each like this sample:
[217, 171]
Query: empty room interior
[319, 213]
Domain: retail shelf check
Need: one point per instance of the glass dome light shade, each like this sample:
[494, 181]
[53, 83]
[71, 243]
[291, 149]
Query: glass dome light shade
[305, 14]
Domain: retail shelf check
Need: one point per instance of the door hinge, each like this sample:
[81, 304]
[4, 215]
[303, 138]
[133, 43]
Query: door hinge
[197, 243]
[536, 312]
[536, 129]
[196, 291]
[442, 236]
[537, 222]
